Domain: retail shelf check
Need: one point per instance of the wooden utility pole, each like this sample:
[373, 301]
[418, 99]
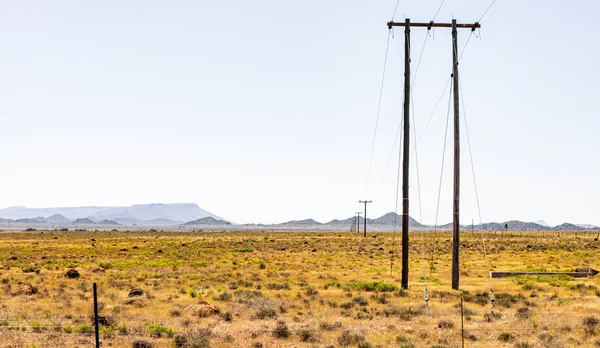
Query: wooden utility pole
[455, 215]
[456, 204]
[365, 218]
[358, 221]
[405, 156]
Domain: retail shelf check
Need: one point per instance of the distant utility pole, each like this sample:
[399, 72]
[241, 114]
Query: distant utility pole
[455, 221]
[365, 229]
[358, 221]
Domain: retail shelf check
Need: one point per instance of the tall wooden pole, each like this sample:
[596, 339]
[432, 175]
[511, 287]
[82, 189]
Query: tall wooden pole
[456, 216]
[405, 157]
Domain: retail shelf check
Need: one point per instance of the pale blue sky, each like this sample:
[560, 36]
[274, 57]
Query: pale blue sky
[263, 111]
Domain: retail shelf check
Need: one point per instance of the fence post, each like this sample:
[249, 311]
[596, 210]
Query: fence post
[462, 321]
[96, 316]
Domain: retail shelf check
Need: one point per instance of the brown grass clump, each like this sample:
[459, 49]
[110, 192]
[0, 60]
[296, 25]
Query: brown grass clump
[96, 269]
[135, 302]
[201, 309]
[136, 292]
[72, 273]
[27, 290]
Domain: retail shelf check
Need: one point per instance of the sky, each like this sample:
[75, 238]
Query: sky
[264, 111]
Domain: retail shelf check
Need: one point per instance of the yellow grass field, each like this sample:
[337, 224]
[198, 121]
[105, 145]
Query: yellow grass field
[283, 289]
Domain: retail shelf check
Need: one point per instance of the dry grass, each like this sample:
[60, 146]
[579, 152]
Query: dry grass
[291, 289]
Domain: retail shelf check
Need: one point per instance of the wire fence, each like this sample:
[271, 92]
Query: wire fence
[443, 317]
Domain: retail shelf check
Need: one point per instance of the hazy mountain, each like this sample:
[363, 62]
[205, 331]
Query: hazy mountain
[207, 221]
[108, 222]
[390, 218]
[543, 223]
[83, 221]
[569, 227]
[305, 222]
[588, 226]
[348, 221]
[36, 220]
[516, 225]
[175, 213]
[57, 218]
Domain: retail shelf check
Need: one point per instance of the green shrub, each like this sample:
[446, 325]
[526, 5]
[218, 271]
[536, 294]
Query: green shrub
[30, 269]
[523, 345]
[307, 336]
[159, 330]
[378, 286]
[281, 330]
[506, 337]
[36, 326]
[265, 313]
[590, 323]
[361, 301]
[84, 328]
[349, 339]
[225, 297]
[404, 342]
[200, 339]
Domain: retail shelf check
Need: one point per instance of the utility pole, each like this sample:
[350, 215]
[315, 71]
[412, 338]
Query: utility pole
[455, 215]
[365, 219]
[456, 191]
[405, 157]
[358, 221]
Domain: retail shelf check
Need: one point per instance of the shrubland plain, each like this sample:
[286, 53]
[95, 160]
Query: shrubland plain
[302, 289]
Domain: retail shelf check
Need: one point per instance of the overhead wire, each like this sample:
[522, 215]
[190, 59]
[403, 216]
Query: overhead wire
[486, 11]
[387, 46]
[487, 263]
[406, 38]
[437, 211]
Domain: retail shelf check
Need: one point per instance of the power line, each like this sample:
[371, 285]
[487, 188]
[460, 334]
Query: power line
[437, 210]
[387, 46]
[395, 10]
[487, 262]
[486, 11]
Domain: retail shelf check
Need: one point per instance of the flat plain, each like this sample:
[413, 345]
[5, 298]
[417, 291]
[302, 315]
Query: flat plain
[284, 289]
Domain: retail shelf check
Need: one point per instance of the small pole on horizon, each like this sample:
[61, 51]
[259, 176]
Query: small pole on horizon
[358, 213]
[365, 217]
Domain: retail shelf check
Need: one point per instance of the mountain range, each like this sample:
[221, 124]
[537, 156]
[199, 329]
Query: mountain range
[189, 215]
[140, 214]
[391, 219]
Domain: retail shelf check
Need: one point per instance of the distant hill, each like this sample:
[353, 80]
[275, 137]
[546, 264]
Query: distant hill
[108, 222]
[84, 221]
[305, 222]
[391, 218]
[57, 218]
[207, 221]
[568, 227]
[588, 226]
[36, 220]
[348, 221]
